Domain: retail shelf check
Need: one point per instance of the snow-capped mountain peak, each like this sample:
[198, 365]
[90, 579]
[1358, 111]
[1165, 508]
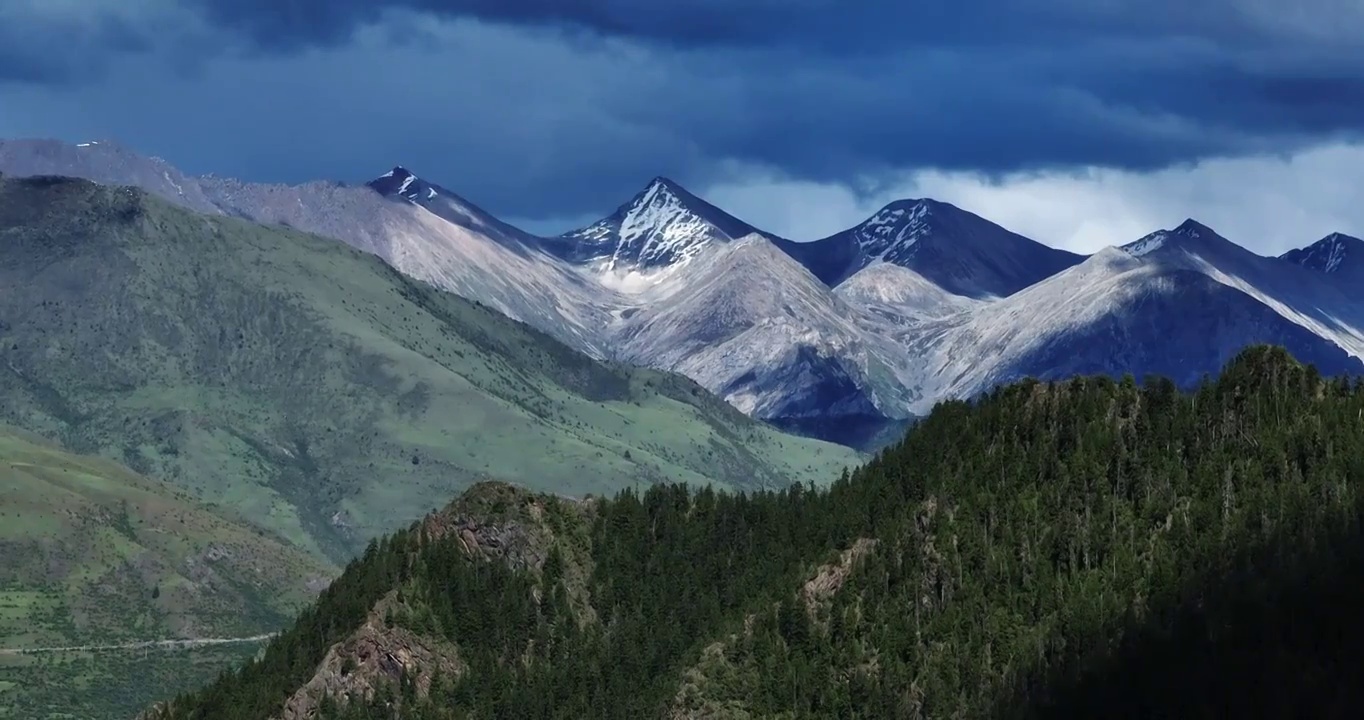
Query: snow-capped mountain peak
[892, 233]
[401, 181]
[661, 220]
[1329, 254]
[663, 225]
[1147, 244]
[959, 251]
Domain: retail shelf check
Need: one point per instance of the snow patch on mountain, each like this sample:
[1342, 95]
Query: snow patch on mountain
[892, 233]
[663, 227]
[1186, 236]
[630, 280]
[959, 251]
[920, 303]
[1329, 254]
[1147, 244]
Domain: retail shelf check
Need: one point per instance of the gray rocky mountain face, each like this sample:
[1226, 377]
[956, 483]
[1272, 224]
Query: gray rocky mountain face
[865, 329]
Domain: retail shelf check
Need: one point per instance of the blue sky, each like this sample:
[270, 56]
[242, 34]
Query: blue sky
[1078, 123]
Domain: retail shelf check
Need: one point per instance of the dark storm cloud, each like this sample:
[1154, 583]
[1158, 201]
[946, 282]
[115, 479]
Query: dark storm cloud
[561, 107]
[277, 23]
[52, 47]
[836, 25]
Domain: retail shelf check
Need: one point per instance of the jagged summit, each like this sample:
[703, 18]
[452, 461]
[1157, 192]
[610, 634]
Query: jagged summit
[662, 225]
[665, 183]
[1334, 253]
[917, 302]
[401, 181]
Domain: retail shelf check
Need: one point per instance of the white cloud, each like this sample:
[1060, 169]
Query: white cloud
[1267, 204]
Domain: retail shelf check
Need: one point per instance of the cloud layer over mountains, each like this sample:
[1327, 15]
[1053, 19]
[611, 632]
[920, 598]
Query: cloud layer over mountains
[554, 109]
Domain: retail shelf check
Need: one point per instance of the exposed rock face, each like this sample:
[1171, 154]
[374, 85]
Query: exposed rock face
[829, 579]
[504, 523]
[497, 521]
[374, 655]
[491, 521]
[841, 338]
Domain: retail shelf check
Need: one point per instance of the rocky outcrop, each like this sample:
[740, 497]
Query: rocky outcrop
[378, 653]
[829, 579]
[504, 523]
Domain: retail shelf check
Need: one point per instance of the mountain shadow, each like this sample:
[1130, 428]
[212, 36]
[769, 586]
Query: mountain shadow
[1272, 631]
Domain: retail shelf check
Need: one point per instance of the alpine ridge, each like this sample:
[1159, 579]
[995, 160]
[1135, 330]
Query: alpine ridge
[869, 327]
[957, 250]
[661, 227]
[400, 184]
[1336, 253]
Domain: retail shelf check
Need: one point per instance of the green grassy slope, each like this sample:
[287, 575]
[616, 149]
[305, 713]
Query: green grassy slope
[314, 389]
[107, 684]
[94, 554]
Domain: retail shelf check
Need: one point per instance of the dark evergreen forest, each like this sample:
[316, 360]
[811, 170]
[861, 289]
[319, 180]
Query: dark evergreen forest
[1091, 548]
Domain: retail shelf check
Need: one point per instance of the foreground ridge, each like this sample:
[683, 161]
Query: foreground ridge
[1081, 548]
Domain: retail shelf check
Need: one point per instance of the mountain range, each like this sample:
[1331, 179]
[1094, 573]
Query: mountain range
[865, 329]
[315, 389]
[212, 415]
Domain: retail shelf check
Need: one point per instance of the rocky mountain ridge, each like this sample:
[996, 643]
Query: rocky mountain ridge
[922, 302]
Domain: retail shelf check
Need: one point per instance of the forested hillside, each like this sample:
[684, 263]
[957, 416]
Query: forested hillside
[1084, 549]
